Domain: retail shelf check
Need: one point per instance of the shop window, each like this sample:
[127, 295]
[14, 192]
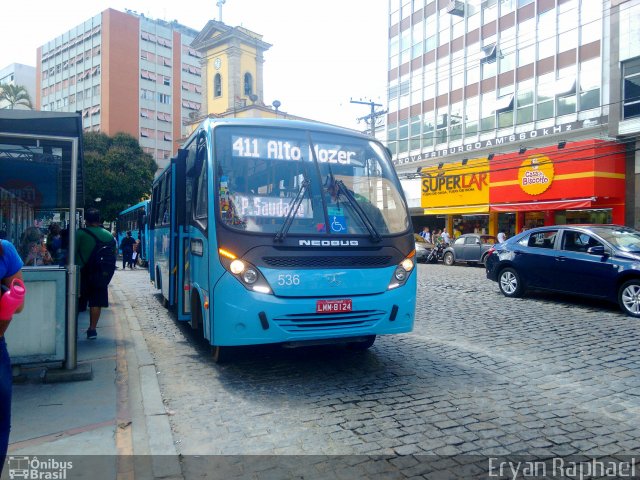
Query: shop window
[631, 89]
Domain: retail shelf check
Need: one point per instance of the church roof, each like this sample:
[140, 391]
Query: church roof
[216, 33]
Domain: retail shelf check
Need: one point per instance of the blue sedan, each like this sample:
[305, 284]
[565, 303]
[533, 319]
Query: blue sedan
[601, 261]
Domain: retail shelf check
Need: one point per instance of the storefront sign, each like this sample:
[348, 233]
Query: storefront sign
[456, 185]
[500, 141]
[535, 174]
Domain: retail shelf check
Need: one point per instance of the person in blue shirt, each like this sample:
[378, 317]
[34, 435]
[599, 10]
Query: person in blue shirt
[10, 265]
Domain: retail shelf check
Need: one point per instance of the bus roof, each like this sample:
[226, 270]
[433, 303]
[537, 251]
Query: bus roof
[277, 123]
[143, 203]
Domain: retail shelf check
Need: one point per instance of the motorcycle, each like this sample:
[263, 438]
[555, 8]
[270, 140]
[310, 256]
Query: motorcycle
[437, 253]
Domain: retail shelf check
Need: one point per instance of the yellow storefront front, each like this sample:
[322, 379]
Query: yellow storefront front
[461, 193]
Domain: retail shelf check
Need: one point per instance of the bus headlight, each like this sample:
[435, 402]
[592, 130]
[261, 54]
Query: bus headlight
[248, 275]
[237, 267]
[403, 271]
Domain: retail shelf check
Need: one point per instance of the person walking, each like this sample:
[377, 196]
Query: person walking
[501, 236]
[93, 282]
[10, 265]
[126, 245]
[446, 239]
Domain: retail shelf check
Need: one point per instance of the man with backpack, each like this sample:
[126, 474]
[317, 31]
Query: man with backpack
[96, 256]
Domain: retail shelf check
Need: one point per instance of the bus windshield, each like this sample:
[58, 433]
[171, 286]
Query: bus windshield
[315, 182]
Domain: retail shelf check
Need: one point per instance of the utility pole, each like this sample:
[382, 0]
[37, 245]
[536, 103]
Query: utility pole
[371, 118]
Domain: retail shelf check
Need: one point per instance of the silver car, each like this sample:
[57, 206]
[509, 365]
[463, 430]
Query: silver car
[469, 248]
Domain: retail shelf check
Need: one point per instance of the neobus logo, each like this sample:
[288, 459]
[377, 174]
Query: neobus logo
[328, 243]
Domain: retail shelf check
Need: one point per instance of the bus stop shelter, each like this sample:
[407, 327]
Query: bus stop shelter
[41, 189]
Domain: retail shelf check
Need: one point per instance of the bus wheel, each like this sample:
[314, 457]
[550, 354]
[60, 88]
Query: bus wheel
[221, 354]
[196, 316]
[363, 345]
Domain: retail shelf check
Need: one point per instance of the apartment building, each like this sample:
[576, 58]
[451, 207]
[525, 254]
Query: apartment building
[126, 73]
[513, 113]
[22, 75]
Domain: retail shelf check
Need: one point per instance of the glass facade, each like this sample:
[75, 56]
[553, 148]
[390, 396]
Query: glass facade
[470, 70]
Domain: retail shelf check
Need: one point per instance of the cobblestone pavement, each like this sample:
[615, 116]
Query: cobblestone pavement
[481, 374]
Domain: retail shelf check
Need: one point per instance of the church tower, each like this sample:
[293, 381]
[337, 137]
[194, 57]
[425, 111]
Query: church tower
[232, 67]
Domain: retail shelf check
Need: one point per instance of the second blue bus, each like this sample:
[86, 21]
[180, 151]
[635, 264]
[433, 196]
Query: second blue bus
[134, 219]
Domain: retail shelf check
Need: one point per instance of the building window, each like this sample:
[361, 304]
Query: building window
[164, 98]
[631, 88]
[217, 85]
[248, 84]
[414, 143]
[403, 136]
[428, 130]
[471, 116]
[524, 102]
[590, 79]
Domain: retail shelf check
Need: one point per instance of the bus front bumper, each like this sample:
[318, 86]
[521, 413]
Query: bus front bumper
[242, 317]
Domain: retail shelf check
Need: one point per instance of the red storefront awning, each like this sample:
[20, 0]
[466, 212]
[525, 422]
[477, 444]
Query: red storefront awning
[545, 205]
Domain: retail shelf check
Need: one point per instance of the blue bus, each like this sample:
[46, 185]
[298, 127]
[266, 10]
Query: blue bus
[134, 219]
[281, 231]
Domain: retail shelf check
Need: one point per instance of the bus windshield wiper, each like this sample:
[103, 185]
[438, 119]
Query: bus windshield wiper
[375, 236]
[295, 206]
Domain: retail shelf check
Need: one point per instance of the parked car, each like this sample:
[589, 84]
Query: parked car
[423, 248]
[601, 261]
[469, 248]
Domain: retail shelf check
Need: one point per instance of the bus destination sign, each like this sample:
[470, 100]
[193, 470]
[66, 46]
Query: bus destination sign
[292, 150]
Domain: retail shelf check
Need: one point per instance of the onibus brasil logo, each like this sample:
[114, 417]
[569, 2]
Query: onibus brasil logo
[37, 469]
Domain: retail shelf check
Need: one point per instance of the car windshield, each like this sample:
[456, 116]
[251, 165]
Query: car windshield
[351, 187]
[623, 238]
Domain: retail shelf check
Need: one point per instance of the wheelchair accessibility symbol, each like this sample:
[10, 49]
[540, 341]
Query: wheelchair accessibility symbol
[338, 224]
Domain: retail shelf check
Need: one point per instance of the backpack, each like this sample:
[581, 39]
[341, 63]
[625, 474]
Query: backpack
[102, 261]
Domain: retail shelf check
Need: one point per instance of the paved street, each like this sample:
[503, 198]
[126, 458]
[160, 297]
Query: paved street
[480, 374]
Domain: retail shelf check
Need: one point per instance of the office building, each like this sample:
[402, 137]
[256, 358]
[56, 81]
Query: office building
[126, 73]
[509, 113]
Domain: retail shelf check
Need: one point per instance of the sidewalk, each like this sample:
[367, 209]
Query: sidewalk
[112, 426]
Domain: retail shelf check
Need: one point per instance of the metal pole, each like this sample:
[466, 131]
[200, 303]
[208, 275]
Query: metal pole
[71, 361]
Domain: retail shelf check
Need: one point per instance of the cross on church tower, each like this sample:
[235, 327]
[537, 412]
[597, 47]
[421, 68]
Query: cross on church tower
[219, 4]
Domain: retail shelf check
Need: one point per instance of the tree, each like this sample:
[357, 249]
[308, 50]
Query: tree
[116, 171]
[15, 95]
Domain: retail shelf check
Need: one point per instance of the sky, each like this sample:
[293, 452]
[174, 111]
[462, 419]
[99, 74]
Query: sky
[324, 53]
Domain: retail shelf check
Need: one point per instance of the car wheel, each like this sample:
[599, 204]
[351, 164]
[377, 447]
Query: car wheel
[448, 259]
[629, 298]
[510, 283]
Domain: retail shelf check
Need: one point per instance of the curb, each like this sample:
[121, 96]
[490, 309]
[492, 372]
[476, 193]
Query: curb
[165, 462]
